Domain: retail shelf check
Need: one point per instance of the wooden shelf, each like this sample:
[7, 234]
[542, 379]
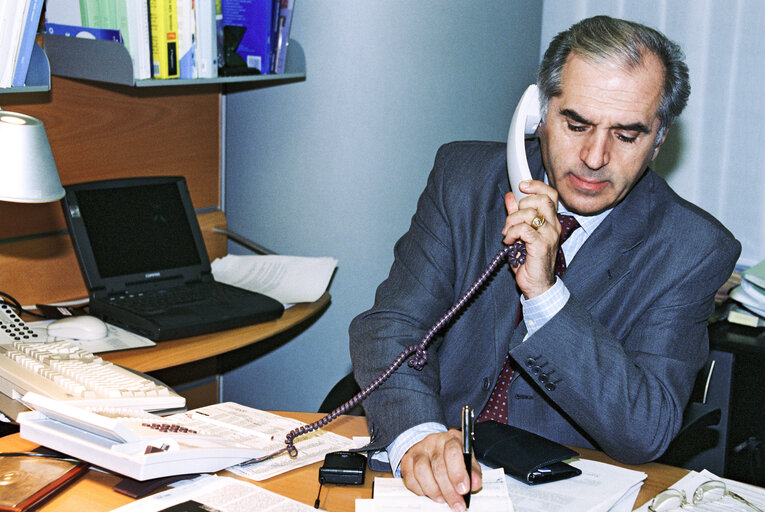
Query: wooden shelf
[110, 62]
[167, 354]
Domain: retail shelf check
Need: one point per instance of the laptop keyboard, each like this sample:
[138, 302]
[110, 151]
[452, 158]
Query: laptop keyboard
[157, 301]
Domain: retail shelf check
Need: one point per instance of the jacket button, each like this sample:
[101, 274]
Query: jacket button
[486, 383]
[550, 386]
[536, 369]
[530, 362]
[543, 378]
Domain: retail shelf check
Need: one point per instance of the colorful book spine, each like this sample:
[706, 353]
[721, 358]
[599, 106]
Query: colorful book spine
[257, 17]
[164, 38]
[286, 8]
[206, 54]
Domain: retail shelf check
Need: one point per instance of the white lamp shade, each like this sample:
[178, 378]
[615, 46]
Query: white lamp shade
[27, 170]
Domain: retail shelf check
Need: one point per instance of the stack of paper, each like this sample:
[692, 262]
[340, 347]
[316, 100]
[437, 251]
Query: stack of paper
[751, 295]
[600, 487]
[288, 279]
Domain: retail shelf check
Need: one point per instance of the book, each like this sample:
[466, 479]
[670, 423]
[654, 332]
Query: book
[256, 17]
[29, 32]
[163, 16]
[756, 274]
[286, 8]
[11, 23]
[138, 42]
[104, 34]
[186, 38]
[206, 54]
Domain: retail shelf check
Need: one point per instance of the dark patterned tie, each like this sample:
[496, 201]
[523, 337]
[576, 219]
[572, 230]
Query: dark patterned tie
[496, 407]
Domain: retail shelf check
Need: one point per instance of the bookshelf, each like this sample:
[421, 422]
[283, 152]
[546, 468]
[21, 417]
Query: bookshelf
[109, 62]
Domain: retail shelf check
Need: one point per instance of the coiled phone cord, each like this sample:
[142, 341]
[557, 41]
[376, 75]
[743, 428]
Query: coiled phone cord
[514, 253]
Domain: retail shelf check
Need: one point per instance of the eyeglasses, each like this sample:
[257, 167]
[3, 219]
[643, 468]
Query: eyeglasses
[708, 492]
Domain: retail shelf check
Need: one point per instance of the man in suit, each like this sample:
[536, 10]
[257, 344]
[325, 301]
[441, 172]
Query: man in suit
[603, 355]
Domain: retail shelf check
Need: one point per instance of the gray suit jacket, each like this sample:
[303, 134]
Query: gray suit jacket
[612, 370]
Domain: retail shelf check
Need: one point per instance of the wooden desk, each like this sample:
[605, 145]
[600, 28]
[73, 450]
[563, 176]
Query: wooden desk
[171, 353]
[93, 492]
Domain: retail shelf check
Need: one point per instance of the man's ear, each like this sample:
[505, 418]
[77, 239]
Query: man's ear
[658, 145]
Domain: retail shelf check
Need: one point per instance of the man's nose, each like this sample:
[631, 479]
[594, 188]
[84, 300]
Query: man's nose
[595, 150]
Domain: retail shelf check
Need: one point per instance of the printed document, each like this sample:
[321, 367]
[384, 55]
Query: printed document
[688, 484]
[288, 279]
[265, 431]
[212, 493]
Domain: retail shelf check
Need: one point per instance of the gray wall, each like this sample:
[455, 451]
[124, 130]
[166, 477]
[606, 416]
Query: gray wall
[333, 166]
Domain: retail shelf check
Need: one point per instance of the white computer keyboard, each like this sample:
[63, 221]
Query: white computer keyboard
[63, 371]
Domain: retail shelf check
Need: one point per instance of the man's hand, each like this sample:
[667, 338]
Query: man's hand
[435, 467]
[537, 275]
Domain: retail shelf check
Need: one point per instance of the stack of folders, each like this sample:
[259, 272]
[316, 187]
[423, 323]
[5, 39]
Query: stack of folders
[19, 20]
[750, 297]
[178, 38]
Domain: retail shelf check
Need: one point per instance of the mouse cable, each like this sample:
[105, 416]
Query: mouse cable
[13, 303]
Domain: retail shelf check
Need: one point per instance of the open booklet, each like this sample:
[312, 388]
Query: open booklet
[288, 279]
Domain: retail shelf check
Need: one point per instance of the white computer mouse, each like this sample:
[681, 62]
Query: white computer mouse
[81, 327]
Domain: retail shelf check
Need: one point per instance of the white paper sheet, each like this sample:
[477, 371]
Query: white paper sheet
[288, 279]
[390, 495]
[217, 493]
[689, 483]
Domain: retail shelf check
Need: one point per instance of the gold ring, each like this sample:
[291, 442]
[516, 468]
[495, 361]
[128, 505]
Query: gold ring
[538, 222]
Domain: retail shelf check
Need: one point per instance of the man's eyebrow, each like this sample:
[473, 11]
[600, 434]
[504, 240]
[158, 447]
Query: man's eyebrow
[632, 127]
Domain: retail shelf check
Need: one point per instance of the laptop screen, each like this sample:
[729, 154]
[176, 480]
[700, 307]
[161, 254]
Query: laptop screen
[135, 230]
[145, 226]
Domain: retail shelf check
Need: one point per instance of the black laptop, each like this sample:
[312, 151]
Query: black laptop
[144, 261]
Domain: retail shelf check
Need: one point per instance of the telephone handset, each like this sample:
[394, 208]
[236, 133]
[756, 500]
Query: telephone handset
[525, 121]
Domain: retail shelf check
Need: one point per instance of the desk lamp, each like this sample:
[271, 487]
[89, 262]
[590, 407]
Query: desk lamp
[27, 171]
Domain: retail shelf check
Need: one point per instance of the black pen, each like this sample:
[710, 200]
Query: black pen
[467, 447]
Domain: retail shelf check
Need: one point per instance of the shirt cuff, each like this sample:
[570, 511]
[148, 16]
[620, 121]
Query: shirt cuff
[407, 439]
[539, 310]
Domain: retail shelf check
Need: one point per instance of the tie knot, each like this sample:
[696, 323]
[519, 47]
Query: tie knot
[568, 225]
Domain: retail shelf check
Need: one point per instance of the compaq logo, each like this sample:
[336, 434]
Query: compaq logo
[152, 274]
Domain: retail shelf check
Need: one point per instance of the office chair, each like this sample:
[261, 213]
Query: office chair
[345, 389]
[701, 441]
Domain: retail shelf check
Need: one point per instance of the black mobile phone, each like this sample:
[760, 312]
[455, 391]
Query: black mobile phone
[343, 468]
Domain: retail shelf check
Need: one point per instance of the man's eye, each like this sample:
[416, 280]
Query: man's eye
[576, 127]
[630, 139]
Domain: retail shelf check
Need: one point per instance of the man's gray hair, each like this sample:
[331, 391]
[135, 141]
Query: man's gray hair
[602, 38]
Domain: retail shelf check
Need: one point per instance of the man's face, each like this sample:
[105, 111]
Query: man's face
[598, 136]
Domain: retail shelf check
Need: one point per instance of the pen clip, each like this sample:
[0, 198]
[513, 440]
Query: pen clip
[467, 429]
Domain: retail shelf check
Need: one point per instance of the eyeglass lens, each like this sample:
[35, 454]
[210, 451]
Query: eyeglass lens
[669, 499]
